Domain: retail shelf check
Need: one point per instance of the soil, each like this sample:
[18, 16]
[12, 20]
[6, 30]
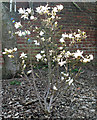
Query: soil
[79, 102]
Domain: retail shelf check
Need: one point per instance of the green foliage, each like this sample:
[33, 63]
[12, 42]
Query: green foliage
[76, 70]
[15, 82]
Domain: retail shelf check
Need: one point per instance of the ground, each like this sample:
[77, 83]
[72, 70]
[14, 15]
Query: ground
[20, 102]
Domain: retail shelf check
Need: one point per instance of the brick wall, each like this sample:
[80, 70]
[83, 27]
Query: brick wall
[74, 16]
[81, 16]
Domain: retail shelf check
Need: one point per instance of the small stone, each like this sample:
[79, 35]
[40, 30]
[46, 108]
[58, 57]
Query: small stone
[8, 116]
[93, 110]
[28, 111]
[10, 102]
[9, 112]
[19, 105]
[16, 114]
[62, 106]
[81, 99]
[84, 107]
[35, 110]
[15, 117]
[27, 98]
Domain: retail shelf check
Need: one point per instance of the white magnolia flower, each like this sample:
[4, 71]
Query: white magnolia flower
[70, 36]
[38, 56]
[83, 33]
[23, 61]
[54, 88]
[58, 58]
[62, 72]
[62, 78]
[28, 10]
[19, 33]
[51, 52]
[68, 54]
[79, 30]
[6, 50]
[42, 9]
[25, 16]
[45, 59]
[24, 66]
[77, 35]
[42, 51]
[23, 33]
[10, 50]
[44, 55]
[11, 56]
[60, 48]
[17, 25]
[38, 10]
[41, 33]
[29, 71]
[62, 40]
[91, 57]
[23, 55]
[78, 54]
[65, 35]
[46, 9]
[21, 11]
[65, 74]
[55, 9]
[27, 32]
[43, 39]
[60, 7]
[85, 60]
[56, 23]
[69, 81]
[4, 53]
[52, 16]
[36, 27]
[62, 63]
[36, 43]
[15, 49]
[32, 17]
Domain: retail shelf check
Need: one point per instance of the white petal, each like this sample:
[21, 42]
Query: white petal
[29, 71]
[54, 88]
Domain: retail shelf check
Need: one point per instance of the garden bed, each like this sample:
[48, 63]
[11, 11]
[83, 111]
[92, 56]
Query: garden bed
[20, 101]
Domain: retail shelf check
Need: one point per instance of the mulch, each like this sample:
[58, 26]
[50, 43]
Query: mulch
[79, 102]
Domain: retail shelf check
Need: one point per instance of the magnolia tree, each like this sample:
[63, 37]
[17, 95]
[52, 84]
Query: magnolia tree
[54, 52]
